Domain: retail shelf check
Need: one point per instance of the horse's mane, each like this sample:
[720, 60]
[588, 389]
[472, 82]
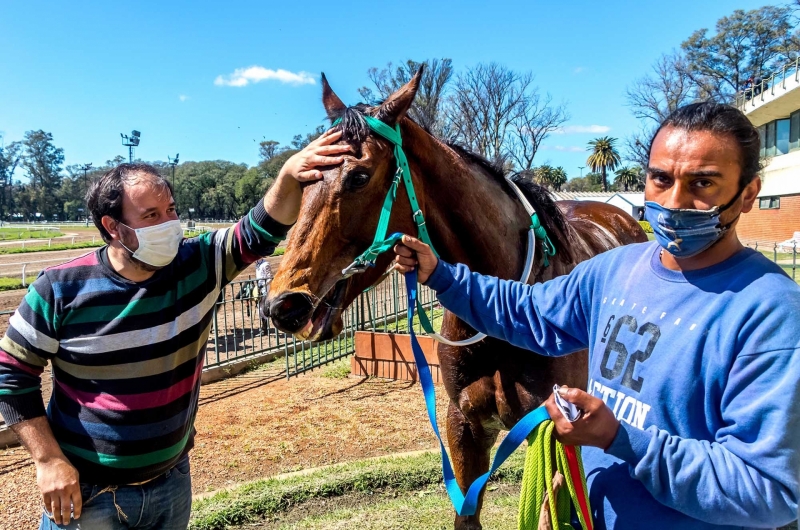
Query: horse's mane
[355, 130]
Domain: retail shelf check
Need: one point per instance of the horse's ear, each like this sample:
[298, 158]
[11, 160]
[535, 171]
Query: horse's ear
[333, 105]
[396, 105]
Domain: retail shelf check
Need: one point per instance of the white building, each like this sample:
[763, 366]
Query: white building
[774, 107]
[629, 202]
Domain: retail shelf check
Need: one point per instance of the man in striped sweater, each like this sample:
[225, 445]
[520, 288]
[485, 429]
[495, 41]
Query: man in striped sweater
[125, 330]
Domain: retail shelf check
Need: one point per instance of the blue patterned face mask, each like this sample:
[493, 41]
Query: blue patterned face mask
[686, 232]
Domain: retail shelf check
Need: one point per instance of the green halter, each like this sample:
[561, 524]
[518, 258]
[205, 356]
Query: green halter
[380, 242]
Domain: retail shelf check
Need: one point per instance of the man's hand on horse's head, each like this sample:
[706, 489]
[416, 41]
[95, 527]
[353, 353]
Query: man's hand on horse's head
[411, 253]
[304, 165]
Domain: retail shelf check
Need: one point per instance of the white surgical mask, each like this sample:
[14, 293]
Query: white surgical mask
[158, 245]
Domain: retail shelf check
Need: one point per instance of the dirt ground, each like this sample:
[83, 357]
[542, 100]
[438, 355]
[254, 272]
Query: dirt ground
[259, 424]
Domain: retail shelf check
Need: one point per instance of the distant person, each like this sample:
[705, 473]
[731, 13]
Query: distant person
[125, 329]
[263, 277]
[641, 214]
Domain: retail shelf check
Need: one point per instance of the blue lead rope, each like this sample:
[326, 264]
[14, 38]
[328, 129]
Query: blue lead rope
[463, 504]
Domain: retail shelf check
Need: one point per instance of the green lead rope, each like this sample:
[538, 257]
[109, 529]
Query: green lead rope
[537, 480]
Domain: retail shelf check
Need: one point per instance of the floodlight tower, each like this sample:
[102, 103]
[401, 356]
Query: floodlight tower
[85, 168]
[130, 142]
[173, 162]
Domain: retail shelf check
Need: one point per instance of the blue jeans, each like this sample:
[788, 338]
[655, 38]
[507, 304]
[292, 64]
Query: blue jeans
[164, 504]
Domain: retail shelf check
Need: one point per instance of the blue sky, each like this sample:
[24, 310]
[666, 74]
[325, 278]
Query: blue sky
[87, 71]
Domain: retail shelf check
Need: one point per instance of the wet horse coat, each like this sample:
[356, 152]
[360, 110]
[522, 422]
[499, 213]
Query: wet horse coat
[474, 218]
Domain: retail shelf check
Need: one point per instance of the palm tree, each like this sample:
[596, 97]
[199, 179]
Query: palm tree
[628, 177]
[558, 177]
[604, 157]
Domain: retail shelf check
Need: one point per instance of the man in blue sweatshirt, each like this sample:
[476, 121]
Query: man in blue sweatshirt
[691, 418]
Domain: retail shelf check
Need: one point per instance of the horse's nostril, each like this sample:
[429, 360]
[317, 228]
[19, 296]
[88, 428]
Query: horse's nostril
[290, 311]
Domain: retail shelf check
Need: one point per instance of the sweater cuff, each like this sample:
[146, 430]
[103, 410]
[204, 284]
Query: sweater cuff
[21, 407]
[442, 277]
[630, 444]
[263, 220]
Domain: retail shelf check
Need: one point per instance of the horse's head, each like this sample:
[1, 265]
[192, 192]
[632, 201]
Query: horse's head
[337, 222]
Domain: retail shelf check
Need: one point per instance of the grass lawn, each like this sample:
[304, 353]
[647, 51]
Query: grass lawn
[9, 284]
[11, 234]
[396, 493]
[55, 246]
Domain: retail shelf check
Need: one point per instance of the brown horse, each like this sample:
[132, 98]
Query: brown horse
[474, 218]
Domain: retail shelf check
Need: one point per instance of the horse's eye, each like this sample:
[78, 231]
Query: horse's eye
[357, 180]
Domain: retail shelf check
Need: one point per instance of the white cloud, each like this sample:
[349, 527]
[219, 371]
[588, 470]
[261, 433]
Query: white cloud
[255, 74]
[565, 148]
[578, 70]
[183, 97]
[578, 129]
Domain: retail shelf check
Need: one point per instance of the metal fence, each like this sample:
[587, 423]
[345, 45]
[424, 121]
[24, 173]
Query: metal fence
[238, 333]
[783, 254]
[767, 84]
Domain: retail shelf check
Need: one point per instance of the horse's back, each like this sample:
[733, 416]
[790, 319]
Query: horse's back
[600, 225]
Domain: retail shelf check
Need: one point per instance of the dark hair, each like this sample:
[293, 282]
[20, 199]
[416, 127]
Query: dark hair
[105, 196]
[720, 119]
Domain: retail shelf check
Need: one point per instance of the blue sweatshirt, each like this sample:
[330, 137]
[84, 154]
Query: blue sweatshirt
[701, 369]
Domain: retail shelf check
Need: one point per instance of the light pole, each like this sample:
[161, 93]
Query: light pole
[581, 168]
[130, 142]
[173, 162]
[85, 168]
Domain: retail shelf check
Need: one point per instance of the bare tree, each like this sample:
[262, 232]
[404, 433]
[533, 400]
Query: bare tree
[427, 107]
[667, 87]
[653, 97]
[537, 118]
[485, 104]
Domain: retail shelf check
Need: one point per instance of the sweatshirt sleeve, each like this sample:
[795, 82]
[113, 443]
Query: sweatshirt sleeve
[255, 235]
[748, 475]
[29, 343]
[548, 318]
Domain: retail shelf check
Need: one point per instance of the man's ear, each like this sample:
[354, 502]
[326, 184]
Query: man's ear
[750, 194]
[111, 225]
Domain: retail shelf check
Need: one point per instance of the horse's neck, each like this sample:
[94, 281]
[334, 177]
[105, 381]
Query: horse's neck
[469, 215]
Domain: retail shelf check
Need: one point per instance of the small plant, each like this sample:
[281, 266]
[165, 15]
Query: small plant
[646, 227]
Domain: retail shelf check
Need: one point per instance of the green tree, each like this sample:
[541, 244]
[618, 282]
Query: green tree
[9, 160]
[747, 44]
[548, 176]
[299, 141]
[589, 182]
[42, 161]
[628, 177]
[604, 157]
[558, 177]
[268, 149]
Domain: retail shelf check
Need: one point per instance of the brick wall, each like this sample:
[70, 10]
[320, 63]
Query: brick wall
[771, 225]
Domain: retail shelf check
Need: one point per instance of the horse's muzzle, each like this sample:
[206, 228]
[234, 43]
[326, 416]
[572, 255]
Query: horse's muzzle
[291, 311]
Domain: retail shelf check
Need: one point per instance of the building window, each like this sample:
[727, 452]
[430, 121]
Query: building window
[794, 131]
[769, 203]
[782, 137]
[771, 138]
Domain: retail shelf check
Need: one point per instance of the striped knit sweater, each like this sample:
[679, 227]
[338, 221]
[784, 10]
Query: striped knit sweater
[126, 356]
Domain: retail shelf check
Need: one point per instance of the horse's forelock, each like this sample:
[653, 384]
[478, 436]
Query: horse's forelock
[353, 125]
